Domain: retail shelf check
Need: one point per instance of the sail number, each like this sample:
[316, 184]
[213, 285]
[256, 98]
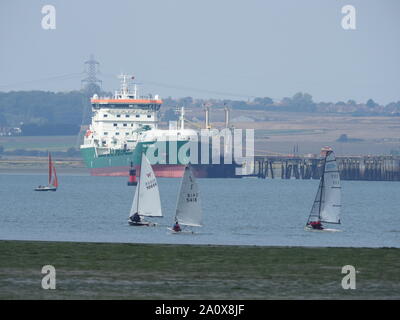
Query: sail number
[192, 197]
[335, 179]
[151, 184]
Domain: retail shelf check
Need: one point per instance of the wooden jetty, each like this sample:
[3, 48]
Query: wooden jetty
[372, 168]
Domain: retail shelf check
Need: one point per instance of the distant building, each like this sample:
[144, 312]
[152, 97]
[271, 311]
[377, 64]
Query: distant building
[10, 131]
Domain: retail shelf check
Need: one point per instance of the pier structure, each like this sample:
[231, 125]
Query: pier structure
[371, 168]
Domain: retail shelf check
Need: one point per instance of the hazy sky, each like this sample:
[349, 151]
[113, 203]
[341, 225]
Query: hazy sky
[207, 48]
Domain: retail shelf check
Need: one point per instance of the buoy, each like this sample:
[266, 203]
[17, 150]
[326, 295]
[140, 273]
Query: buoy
[132, 176]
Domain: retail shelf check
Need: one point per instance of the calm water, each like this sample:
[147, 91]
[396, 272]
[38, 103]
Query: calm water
[236, 211]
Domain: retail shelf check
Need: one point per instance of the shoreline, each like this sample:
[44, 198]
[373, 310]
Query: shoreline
[39, 165]
[44, 171]
[193, 244]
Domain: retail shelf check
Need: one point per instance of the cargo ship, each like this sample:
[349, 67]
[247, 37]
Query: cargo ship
[125, 125]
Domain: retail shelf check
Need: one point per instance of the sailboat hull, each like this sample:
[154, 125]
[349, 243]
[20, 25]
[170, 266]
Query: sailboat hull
[181, 232]
[142, 224]
[53, 181]
[321, 230]
[45, 189]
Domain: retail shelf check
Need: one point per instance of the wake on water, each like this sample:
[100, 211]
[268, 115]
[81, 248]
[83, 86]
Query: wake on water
[323, 230]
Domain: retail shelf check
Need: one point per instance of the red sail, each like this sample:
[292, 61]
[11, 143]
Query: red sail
[50, 168]
[55, 181]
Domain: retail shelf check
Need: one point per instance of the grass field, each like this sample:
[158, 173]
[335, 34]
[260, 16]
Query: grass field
[136, 271]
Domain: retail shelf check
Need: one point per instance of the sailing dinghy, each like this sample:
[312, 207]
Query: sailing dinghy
[188, 207]
[327, 203]
[53, 180]
[146, 202]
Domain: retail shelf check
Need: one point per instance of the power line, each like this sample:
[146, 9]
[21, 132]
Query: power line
[60, 77]
[219, 93]
[185, 88]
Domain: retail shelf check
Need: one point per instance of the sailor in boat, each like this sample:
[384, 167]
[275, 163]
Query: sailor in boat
[316, 225]
[177, 227]
[136, 218]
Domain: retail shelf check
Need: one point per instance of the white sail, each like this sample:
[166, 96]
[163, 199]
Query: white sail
[188, 208]
[134, 207]
[146, 201]
[327, 203]
[315, 210]
[331, 204]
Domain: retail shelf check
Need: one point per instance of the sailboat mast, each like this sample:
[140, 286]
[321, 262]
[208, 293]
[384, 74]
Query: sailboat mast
[139, 183]
[50, 169]
[322, 188]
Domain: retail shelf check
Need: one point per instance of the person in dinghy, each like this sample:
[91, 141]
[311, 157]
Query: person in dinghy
[327, 203]
[317, 225]
[148, 203]
[135, 218]
[176, 227]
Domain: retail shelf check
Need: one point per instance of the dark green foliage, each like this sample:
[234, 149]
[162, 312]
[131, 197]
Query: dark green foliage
[301, 102]
[41, 107]
[345, 138]
[3, 120]
[170, 115]
[371, 104]
[73, 108]
[264, 101]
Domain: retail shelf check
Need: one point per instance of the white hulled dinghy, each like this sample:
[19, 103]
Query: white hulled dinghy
[188, 207]
[146, 201]
[327, 203]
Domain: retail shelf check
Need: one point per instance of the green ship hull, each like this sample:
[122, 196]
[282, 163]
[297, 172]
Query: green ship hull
[119, 162]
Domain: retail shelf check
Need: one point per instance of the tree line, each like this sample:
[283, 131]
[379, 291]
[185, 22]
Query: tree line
[62, 113]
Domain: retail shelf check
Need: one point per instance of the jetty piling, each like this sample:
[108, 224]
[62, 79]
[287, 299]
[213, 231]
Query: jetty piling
[369, 168]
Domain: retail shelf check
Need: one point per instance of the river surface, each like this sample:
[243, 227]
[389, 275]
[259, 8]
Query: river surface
[236, 212]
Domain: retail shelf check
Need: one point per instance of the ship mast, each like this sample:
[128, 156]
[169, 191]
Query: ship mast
[182, 118]
[124, 93]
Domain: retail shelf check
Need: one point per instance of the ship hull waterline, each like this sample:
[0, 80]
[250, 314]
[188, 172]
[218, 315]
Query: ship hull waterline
[119, 165]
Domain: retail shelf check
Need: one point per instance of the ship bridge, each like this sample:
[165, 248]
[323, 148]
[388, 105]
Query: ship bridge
[145, 104]
[127, 99]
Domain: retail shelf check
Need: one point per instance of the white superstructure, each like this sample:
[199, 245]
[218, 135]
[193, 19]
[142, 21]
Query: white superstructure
[120, 122]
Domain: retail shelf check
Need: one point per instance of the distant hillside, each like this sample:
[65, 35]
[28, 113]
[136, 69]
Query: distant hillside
[41, 107]
[299, 102]
[61, 113]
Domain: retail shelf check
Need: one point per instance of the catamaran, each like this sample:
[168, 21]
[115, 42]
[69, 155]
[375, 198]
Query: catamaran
[53, 180]
[188, 209]
[146, 202]
[327, 203]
